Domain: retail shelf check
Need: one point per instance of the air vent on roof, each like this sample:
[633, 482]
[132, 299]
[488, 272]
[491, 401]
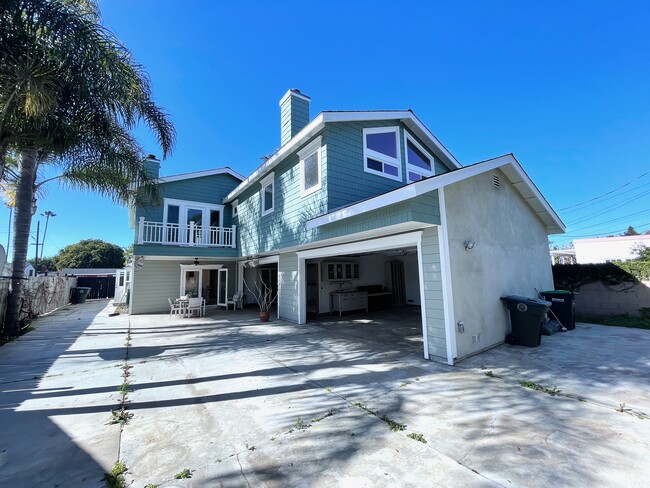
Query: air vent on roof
[495, 181]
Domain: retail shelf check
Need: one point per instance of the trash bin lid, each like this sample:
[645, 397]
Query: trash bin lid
[526, 300]
[558, 292]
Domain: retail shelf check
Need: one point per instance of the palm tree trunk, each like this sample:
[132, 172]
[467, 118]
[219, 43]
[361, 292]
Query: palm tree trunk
[22, 224]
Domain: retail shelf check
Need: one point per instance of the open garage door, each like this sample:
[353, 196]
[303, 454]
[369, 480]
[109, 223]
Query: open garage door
[371, 289]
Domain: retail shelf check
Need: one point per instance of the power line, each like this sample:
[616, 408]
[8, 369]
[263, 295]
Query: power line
[601, 233]
[608, 198]
[613, 220]
[601, 212]
[605, 194]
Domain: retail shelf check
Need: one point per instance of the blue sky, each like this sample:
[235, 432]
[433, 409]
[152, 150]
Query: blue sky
[563, 85]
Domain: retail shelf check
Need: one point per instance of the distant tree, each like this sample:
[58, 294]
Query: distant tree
[47, 262]
[128, 254]
[91, 253]
[631, 231]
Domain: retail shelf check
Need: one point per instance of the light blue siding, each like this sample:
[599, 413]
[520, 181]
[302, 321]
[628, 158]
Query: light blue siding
[294, 116]
[288, 284]
[434, 303]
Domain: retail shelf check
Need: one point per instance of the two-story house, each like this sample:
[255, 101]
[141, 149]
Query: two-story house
[360, 202]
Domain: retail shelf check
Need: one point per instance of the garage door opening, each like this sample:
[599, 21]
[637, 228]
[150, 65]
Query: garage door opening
[373, 295]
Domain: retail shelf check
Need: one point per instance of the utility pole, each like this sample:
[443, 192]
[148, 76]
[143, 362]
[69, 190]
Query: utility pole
[47, 214]
[38, 230]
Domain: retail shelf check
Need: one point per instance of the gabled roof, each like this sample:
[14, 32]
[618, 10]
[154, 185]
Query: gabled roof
[508, 164]
[198, 174]
[311, 129]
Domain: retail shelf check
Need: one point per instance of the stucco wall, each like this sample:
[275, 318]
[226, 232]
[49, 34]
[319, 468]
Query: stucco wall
[603, 300]
[511, 257]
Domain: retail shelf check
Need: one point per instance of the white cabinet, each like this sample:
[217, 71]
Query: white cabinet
[349, 300]
[341, 271]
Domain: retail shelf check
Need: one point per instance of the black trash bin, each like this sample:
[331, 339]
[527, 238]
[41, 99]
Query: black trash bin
[526, 317]
[79, 294]
[563, 306]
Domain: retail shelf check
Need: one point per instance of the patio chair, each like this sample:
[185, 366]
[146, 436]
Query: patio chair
[196, 305]
[174, 307]
[237, 300]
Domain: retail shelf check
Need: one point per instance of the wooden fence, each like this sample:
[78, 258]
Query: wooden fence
[41, 294]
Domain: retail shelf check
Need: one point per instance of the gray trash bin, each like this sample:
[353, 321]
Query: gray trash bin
[526, 317]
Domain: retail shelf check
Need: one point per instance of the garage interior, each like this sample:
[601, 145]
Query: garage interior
[374, 296]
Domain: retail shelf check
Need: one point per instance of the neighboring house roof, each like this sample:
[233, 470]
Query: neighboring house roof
[199, 174]
[508, 164]
[88, 271]
[311, 129]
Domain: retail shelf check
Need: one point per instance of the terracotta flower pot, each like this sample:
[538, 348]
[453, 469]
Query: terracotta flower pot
[265, 316]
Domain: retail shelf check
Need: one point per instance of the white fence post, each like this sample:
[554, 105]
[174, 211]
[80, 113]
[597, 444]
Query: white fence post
[233, 237]
[141, 230]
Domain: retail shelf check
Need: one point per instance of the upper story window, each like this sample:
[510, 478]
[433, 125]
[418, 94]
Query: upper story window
[235, 208]
[310, 168]
[381, 152]
[268, 194]
[182, 212]
[419, 163]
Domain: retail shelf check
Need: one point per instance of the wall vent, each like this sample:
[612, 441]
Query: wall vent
[495, 181]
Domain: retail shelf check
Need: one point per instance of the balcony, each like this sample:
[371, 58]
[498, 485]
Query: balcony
[185, 234]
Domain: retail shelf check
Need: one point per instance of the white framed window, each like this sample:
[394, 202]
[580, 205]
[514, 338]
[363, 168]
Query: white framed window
[235, 208]
[381, 152]
[267, 194]
[200, 213]
[419, 163]
[310, 168]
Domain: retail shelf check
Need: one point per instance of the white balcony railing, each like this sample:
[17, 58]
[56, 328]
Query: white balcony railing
[185, 234]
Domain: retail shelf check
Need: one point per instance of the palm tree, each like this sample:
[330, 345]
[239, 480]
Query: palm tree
[47, 214]
[70, 95]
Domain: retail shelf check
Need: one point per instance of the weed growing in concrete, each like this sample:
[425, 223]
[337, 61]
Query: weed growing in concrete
[120, 416]
[417, 437]
[394, 426]
[328, 389]
[406, 383]
[186, 473]
[621, 407]
[530, 384]
[219, 460]
[489, 374]
[250, 448]
[554, 391]
[329, 413]
[301, 425]
[363, 407]
[124, 388]
[115, 479]
[151, 485]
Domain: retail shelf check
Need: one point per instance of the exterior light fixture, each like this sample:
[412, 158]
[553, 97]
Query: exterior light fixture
[469, 245]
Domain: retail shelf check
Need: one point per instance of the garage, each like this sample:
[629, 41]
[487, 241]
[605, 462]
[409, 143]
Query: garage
[373, 288]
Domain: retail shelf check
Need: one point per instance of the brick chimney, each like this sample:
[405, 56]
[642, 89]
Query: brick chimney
[294, 114]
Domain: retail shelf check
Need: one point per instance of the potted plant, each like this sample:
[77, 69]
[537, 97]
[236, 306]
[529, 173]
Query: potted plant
[264, 297]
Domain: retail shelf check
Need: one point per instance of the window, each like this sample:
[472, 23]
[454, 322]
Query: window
[235, 208]
[310, 168]
[381, 152]
[268, 194]
[419, 163]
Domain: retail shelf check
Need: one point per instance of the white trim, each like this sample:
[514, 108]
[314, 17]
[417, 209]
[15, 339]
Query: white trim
[302, 298]
[517, 176]
[268, 180]
[314, 147]
[384, 159]
[199, 268]
[313, 127]
[411, 167]
[370, 245]
[447, 289]
[293, 93]
[200, 174]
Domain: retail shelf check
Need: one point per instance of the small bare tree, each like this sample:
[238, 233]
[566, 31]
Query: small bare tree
[262, 292]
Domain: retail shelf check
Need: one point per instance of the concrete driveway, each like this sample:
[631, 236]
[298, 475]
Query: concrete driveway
[239, 403]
